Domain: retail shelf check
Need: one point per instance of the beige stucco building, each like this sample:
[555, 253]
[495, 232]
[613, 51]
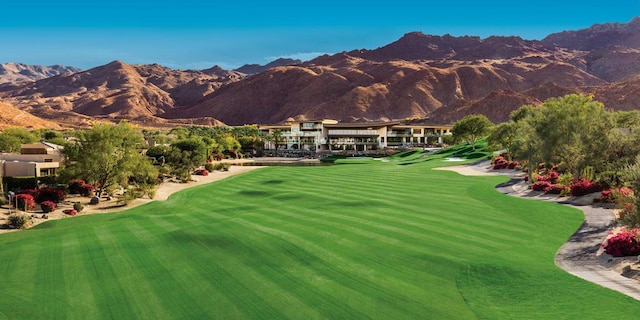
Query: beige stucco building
[34, 160]
[331, 135]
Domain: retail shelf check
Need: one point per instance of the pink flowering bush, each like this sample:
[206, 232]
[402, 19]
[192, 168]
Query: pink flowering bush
[48, 206]
[623, 243]
[71, 212]
[616, 194]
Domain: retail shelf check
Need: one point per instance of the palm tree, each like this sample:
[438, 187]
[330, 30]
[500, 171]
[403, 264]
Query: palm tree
[276, 136]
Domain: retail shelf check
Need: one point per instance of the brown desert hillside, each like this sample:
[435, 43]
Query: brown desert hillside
[11, 116]
[115, 91]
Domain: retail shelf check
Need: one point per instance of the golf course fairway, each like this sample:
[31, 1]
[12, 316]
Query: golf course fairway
[362, 239]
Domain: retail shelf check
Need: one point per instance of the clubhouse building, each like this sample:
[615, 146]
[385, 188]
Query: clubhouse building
[329, 135]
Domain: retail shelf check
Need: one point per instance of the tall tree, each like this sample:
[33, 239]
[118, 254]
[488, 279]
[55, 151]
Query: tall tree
[108, 156]
[12, 138]
[472, 128]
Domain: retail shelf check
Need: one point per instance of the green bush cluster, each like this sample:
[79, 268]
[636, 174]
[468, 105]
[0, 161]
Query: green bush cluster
[18, 220]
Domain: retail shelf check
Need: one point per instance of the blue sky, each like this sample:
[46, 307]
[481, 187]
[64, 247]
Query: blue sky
[190, 34]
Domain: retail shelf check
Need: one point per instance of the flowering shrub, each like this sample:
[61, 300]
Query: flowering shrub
[556, 188]
[87, 190]
[540, 185]
[201, 172]
[50, 194]
[217, 156]
[583, 187]
[25, 201]
[32, 192]
[616, 194]
[71, 212]
[48, 206]
[75, 185]
[623, 243]
[501, 162]
[81, 187]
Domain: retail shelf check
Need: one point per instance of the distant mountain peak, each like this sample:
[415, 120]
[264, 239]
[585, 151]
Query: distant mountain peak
[256, 68]
[13, 72]
[598, 36]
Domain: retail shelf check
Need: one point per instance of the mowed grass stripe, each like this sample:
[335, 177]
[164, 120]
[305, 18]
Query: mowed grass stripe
[345, 278]
[104, 279]
[49, 274]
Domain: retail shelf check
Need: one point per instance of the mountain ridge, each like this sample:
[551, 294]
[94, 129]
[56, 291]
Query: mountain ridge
[441, 78]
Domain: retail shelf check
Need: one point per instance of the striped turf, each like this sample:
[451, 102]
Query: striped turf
[364, 239]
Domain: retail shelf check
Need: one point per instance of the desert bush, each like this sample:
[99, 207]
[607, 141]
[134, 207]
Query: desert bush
[78, 206]
[18, 220]
[623, 243]
[25, 202]
[48, 206]
[611, 179]
[226, 166]
[209, 166]
[565, 178]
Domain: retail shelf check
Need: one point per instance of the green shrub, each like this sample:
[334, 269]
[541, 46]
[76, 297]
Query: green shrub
[18, 220]
[78, 206]
[209, 166]
[226, 166]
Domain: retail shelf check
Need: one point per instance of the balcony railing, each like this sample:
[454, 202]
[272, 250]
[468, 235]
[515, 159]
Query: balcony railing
[353, 132]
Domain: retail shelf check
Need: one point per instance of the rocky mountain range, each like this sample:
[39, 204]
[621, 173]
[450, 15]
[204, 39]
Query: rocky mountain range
[17, 72]
[419, 76]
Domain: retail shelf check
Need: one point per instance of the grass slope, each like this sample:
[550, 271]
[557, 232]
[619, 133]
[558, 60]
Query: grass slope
[364, 239]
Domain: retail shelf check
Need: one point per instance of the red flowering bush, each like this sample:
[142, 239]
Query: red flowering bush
[81, 187]
[50, 194]
[32, 192]
[623, 243]
[48, 206]
[201, 172]
[540, 185]
[75, 185]
[501, 162]
[86, 190]
[71, 212]
[25, 201]
[583, 187]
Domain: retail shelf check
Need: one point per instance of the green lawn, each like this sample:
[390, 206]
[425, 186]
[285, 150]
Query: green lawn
[364, 239]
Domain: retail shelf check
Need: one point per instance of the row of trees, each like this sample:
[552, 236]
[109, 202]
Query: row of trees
[115, 156]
